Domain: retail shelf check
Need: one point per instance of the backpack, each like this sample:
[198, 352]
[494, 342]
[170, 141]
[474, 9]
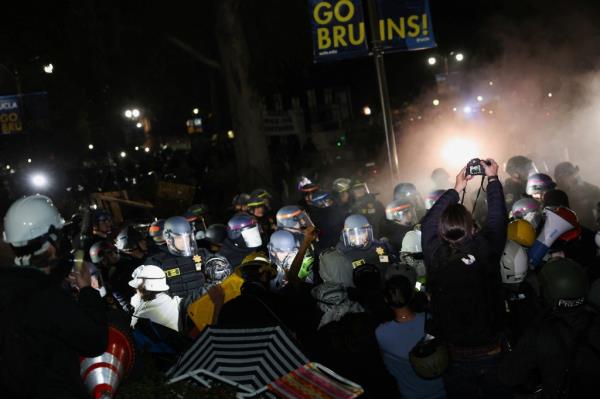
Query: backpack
[464, 299]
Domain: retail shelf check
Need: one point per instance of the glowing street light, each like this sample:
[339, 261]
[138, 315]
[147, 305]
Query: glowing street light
[39, 180]
[431, 60]
[230, 134]
[479, 98]
[28, 160]
[195, 111]
[90, 147]
[135, 112]
[146, 149]
[436, 102]
[123, 154]
[459, 57]
[137, 148]
[49, 68]
[467, 109]
[138, 125]
[454, 109]
[128, 113]
[549, 94]
[366, 110]
[491, 83]
[7, 167]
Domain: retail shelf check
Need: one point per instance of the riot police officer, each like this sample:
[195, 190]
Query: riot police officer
[400, 218]
[518, 169]
[367, 205]
[360, 247]
[408, 191]
[243, 238]
[183, 263]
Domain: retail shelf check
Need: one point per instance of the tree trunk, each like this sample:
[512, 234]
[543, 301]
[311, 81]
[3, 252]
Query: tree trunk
[253, 165]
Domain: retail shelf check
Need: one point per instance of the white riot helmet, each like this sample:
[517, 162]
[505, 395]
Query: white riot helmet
[179, 236]
[151, 277]
[29, 225]
[513, 265]
[411, 242]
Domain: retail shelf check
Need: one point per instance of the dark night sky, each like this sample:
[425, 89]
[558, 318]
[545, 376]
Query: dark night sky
[110, 55]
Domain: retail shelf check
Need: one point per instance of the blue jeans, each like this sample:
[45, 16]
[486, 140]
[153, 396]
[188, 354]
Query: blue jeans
[475, 378]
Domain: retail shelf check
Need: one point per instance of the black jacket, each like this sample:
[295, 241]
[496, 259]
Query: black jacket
[235, 255]
[557, 341]
[476, 285]
[57, 331]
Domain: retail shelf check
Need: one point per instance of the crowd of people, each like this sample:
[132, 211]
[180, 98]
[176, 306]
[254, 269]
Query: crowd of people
[421, 298]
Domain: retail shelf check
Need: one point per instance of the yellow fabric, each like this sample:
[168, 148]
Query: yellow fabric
[521, 232]
[201, 310]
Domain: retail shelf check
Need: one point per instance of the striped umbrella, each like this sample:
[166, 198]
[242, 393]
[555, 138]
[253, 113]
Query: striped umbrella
[250, 358]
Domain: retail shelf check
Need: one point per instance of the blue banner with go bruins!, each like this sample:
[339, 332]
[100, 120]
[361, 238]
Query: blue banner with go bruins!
[338, 29]
[404, 25]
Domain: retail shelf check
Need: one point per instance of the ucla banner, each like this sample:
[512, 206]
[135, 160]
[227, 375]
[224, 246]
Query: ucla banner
[404, 25]
[10, 115]
[338, 29]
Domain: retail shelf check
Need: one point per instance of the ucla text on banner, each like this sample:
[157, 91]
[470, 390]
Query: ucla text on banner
[10, 115]
[338, 29]
[404, 25]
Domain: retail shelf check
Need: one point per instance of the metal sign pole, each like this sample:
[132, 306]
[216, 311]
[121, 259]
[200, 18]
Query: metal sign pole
[388, 125]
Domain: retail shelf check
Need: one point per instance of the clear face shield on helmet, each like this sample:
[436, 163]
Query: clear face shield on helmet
[181, 244]
[251, 236]
[404, 215]
[283, 258]
[298, 222]
[358, 237]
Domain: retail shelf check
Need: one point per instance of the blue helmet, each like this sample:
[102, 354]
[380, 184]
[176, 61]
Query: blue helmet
[403, 190]
[293, 217]
[401, 211]
[321, 199]
[243, 229]
[538, 184]
[283, 248]
[179, 235]
[357, 232]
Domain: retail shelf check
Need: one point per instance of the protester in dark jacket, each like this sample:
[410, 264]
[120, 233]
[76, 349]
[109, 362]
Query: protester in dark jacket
[465, 285]
[54, 331]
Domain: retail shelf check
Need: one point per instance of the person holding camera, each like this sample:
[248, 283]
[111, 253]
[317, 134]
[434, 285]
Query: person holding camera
[464, 284]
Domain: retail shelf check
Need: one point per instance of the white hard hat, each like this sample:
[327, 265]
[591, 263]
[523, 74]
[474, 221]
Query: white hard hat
[513, 265]
[29, 218]
[412, 242]
[153, 278]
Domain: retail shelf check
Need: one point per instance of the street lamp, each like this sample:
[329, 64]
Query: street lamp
[135, 112]
[479, 98]
[146, 149]
[128, 113]
[123, 154]
[49, 68]
[459, 57]
[436, 102]
[90, 147]
[39, 180]
[431, 60]
[28, 160]
[138, 125]
[195, 111]
[366, 110]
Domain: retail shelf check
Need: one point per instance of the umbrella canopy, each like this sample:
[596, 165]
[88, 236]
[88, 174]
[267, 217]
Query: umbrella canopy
[251, 358]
